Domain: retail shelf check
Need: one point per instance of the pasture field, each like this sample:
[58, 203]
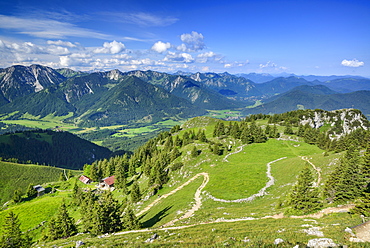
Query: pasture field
[18, 176]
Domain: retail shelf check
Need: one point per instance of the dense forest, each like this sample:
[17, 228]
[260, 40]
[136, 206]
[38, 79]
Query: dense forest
[61, 149]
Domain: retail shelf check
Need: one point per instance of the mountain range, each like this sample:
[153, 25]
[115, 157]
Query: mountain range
[115, 97]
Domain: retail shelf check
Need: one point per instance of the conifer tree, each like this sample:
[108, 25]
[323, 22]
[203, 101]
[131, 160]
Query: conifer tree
[17, 196]
[268, 130]
[120, 177]
[288, 129]
[304, 198]
[135, 192]
[62, 177]
[129, 219]
[12, 236]
[194, 152]
[31, 191]
[202, 135]
[185, 139]
[363, 204]
[347, 180]
[178, 141]
[235, 131]
[87, 210]
[69, 174]
[174, 154]
[61, 225]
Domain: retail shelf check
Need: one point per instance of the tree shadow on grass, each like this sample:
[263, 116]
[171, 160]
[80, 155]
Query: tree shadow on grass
[156, 218]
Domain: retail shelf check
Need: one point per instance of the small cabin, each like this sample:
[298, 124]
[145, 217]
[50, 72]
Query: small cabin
[85, 179]
[40, 190]
[108, 181]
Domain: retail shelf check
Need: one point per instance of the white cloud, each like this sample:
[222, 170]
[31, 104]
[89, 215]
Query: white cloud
[58, 50]
[122, 56]
[61, 43]
[141, 19]
[76, 59]
[64, 60]
[2, 44]
[161, 47]
[113, 47]
[179, 57]
[227, 65]
[269, 64]
[26, 47]
[46, 28]
[208, 56]
[352, 63]
[192, 42]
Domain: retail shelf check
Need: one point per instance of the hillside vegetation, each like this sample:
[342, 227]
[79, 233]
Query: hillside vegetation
[18, 176]
[216, 183]
[61, 149]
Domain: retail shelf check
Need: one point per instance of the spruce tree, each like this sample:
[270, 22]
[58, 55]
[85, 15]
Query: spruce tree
[31, 191]
[129, 219]
[120, 177]
[347, 180]
[194, 152]
[12, 236]
[288, 129]
[62, 177]
[304, 198]
[17, 196]
[61, 225]
[135, 192]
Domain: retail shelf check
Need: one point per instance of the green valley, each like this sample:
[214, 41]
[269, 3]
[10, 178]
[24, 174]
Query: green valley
[214, 183]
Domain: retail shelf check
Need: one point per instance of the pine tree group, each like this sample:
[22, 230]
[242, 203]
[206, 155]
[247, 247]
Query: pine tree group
[61, 225]
[12, 236]
[304, 197]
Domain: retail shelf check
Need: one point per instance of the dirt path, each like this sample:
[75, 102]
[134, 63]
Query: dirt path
[318, 170]
[197, 198]
[261, 192]
[317, 215]
[177, 189]
[238, 149]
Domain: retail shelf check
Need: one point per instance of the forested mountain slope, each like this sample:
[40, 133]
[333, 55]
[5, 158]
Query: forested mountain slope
[61, 149]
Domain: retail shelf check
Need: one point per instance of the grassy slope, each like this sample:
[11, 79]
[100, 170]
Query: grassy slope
[19, 176]
[242, 176]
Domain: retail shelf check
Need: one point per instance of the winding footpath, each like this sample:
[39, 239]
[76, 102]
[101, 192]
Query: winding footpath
[198, 202]
[318, 170]
[239, 149]
[177, 189]
[197, 198]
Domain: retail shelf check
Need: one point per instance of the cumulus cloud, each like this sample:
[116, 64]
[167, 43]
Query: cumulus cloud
[122, 56]
[61, 43]
[179, 57]
[269, 64]
[76, 59]
[208, 56]
[192, 42]
[57, 50]
[113, 47]
[161, 47]
[352, 63]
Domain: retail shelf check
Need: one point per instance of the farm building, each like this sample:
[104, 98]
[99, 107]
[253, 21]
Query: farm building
[40, 190]
[108, 181]
[85, 179]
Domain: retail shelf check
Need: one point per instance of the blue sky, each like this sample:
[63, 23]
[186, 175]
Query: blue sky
[266, 36]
